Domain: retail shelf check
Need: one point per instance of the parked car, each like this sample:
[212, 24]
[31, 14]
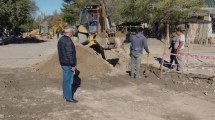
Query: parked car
[4, 39]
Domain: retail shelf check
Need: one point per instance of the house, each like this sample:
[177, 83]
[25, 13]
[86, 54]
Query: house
[201, 27]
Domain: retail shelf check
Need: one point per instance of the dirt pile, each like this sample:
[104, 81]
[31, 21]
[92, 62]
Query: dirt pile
[89, 64]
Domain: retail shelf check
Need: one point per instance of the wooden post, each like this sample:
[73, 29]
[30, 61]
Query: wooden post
[162, 62]
[188, 50]
[167, 34]
[164, 51]
[188, 38]
[100, 23]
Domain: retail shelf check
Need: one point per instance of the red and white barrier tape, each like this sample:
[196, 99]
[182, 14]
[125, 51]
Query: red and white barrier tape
[194, 56]
[208, 68]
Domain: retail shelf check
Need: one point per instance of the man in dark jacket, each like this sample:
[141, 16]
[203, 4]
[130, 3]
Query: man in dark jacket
[138, 43]
[67, 58]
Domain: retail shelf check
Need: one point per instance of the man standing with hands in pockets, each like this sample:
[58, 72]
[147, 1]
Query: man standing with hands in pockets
[67, 58]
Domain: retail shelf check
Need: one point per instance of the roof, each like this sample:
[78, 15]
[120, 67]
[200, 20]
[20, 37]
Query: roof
[210, 10]
[193, 20]
[204, 12]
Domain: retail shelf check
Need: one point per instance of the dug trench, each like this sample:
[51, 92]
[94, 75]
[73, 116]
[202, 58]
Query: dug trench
[104, 94]
[180, 82]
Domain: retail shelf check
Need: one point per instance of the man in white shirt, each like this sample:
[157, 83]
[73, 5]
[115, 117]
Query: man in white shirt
[179, 48]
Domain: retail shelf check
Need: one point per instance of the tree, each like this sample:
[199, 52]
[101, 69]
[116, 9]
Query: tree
[54, 19]
[71, 9]
[157, 10]
[133, 10]
[162, 11]
[69, 13]
[176, 10]
[14, 13]
[111, 8]
[211, 3]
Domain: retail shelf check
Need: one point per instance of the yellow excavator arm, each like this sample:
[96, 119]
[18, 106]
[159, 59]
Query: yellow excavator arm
[56, 27]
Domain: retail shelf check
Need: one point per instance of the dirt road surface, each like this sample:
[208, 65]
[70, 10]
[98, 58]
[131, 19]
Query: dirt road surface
[24, 55]
[193, 65]
[30, 95]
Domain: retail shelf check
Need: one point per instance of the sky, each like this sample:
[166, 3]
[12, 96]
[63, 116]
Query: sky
[48, 6]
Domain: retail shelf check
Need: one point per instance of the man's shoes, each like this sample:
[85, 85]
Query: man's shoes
[72, 101]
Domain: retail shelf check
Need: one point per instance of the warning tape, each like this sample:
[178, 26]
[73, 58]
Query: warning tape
[208, 68]
[193, 56]
[197, 68]
[189, 55]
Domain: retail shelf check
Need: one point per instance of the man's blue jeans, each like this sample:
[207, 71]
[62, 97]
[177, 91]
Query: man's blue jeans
[135, 64]
[67, 82]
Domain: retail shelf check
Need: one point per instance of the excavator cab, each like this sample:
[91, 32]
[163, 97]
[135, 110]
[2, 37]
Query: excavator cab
[88, 27]
[89, 17]
[95, 27]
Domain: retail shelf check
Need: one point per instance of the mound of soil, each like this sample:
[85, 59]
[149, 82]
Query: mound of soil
[88, 63]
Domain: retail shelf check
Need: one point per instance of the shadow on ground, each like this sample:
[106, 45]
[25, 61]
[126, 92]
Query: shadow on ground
[26, 40]
[165, 63]
[113, 61]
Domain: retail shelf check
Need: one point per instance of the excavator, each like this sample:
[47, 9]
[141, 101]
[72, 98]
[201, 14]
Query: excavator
[57, 26]
[47, 32]
[101, 32]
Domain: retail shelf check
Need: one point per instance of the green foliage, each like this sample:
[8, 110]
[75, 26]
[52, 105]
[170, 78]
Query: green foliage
[175, 10]
[157, 10]
[14, 13]
[137, 10]
[54, 19]
[134, 10]
[69, 13]
[111, 8]
[71, 9]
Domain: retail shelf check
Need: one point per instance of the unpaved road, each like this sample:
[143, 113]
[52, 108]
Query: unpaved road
[21, 55]
[193, 65]
[26, 95]
[29, 96]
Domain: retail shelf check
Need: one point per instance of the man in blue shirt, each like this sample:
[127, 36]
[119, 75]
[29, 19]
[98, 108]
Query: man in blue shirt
[93, 24]
[138, 43]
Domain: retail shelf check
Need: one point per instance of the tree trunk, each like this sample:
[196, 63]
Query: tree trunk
[167, 34]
